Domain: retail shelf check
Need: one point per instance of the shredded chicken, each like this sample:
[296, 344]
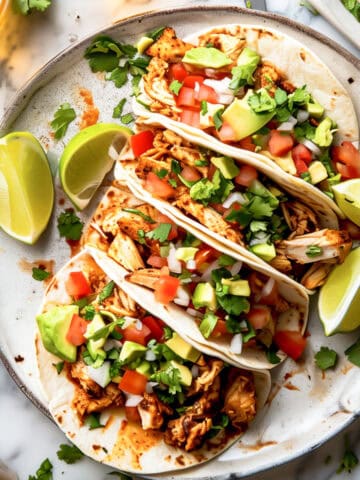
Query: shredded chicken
[168, 47]
[123, 250]
[151, 161]
[152, 411]
[146, 277]
[207, 374]
[266, 76]
[280, 262]
[78, 372]
[120, 304]
[189, 156]
[316, 275]
[231, 45]
[85, 404]
[300, 218]
[239, 402]
[131, 223]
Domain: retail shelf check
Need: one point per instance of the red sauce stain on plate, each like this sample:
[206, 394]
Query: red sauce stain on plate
[90, 115]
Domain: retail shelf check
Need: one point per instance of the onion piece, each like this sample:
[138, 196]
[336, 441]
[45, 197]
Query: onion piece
[100, 375]
[197, 87]
[112, 343]
[195, 371]
[150, 356]
[302, 116]
[193, 312]
[311, 146]
[236, 344]
[133, 400]
[173, 264]
[206, 276]
[235, 269]
[234, 197]
[182, 297]
[191, 265]
[288, 125]
[128, 321]
[138, 324]
[266, 290]
[150, 386]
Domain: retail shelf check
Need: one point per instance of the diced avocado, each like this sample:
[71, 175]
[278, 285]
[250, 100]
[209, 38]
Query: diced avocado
[185, 372]
[143, 44]
[315, 109]
[131, 351]
[248, 57]
[53, 326]
[204, 296]
[164, 251]
[275, 191]
[182, 348]
[242, 119]
[226, 165]
[144, 368]
[264, 250]
[286, 162]
[317, 171]
[95, 346]
[97, 353]
[240, 288]
[204, 57]
[186, 253]
[323, 136]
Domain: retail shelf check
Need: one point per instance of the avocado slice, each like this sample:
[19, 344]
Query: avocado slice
[314, 108]
[95, 346]
[264, 250]
[186, 253]
[53, 326]
[323, 136]
[185, 372]
[206, 57]
[182, 348]
[243, 120]
[239, 288]
[226, 165]
[204, 296]
[144, 368]
[131, 351]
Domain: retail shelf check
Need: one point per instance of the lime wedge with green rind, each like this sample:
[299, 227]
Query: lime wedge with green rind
[347, 196]
[339, 299]
[26, 187]
[86, 160]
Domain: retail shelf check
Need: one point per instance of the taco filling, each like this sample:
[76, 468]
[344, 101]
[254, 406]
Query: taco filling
[118, 356]
[225, 88]
[237, 202]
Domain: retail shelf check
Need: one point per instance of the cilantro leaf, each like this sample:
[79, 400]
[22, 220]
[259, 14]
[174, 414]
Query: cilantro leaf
[105, 331]
[168, 333]
[280, 96]
[271, 354]
[170, 377]
[175, 166]
[119, 108]
[93, 421]
[69, 225]
[141, 236]
[325, 358]
[261, 102]
[103, 54]
[299, 97]
[175, 87]
[160, 233]
[233, 304]
[204, 107]
[161, 173]
[106, 292]
[217, 117]
[63, 116]
[27, 6]
[127, 118]
[44, 472]
[214, 191]
[349, 460]
[140, 213]
[89, 312]
[242, 74]
[69, 453]
[40, 274]
[314, 251]
[118, 76]
[59, 367]
[155, 34]
[353, 353]
[353, 6]
[135, 83]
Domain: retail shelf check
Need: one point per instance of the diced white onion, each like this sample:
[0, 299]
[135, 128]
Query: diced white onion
[100, 375]
[173, 264]
[193, 312]
[220, 86]
[112, 343]
[191, 265]
[234, 197]
[211, 72]
[181, 302]
[197, 87]
[311, 146]
[302, 116]
[138, 324]
[288, 125]
[150, 386]
[206, 276]
[266, 290]
[236, 344]
[235, 269]
[129, 321]
[225, 99]
[133, 400]
[150, 356]
[261, 237]
[195, 371]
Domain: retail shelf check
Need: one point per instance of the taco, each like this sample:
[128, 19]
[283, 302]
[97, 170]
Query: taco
[218, 297]
[124, 387]
[260, 92]
[248, 208]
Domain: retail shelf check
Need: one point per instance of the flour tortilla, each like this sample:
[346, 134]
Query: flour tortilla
[121, 445]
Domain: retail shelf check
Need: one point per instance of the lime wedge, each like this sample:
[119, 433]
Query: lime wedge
[347, 196]
[26, 187]
[339, 299]
[86, 160]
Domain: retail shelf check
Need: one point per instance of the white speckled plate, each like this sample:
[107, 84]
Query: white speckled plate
[306, 407]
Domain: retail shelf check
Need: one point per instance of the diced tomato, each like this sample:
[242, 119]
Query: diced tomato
[132, 334]
[246, 175]
[300, 152]
[220, 329]
[158, 187]
[259, 316]
[77, 285]
[219, 208]
[212, 170]
[190, 174]
[186, 97]
[346, 171]
[205, 255]
[191, 80]
[269, 295]
[75, 334]
[161, 218]
[351, 228]
[290, 342]
[156, 261]
[247, 144]
[178, 72]
[280, 143]
[142, 142]
[226, 133]
[156, 328]
[301, 166]
[166, 288]
[206, 94]
[132, 414]
[347, 154]
[190, 117]
[133, 382]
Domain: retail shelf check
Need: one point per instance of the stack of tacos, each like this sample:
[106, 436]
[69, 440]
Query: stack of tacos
[195, 269]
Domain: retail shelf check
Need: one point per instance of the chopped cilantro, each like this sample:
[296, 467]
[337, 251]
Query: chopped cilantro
[353, 353]
[69, 453]
[161, 173]
[305, 130]
[175, 166]
[118, 76]
[103, 54]
[190, 240]
[175, 87]
[59, 367]
[140, 213]
[119, 108]
[172, 182]
[201, 163]
[271, 354]
[242, 74]
[282, 114]
[299, 97]
[353, 6]
[280, 96]
[155, 34]
[160, 233]
[127, 118]
[349, 460]
[325, 159]
[261, 102]
[27, 6]
[217, 117]
[208, 323]
[69, 225]
[233, 324]
[168, 333]
[325, 358]
[128, 50]
[40, 274]
[204, 107]
[106, 292]
[214, 191]
[141, 236]
[93, 421]
[313, 251]
[225, 260]
[89, 312]
[63, 116]
[306, 176]
[233, 304]
[170, 377]
[105, 331]
[135, 83]
[44, 472]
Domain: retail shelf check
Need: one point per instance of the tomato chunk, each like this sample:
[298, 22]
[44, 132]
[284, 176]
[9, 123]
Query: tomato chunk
[301, 153]
[158, 187]
[190, 174]
[132, 414]
[166, 288]
[186, 97]
[246, 175]
[191, 80]
[178, 72]
[156, 261]
[346, 171]
[226, 133]
[156, 329]
[133, 382]
[269, 295]
[190, 117]
[142, 142]
[346, 153]
[77, 285]
[290, 342]
[259, 316]
[247, 144]
[280, 143]
[205, 255]
[132, 334]
[301, 166]
[206, 94]
[75, 334]
[220, 329]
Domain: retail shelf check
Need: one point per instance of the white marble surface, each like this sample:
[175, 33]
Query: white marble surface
[27, 437]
